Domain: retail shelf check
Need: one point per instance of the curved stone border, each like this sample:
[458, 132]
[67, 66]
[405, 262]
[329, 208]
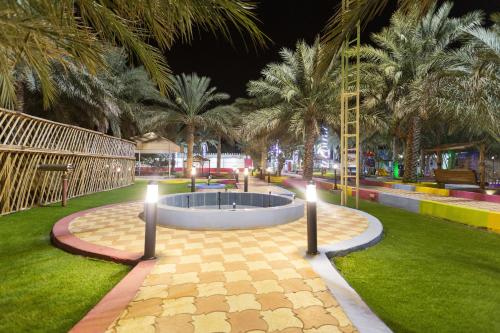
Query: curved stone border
[356, 309]
[62, 238]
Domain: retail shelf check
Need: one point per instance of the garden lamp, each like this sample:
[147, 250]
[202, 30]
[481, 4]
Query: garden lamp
[335, 167]
[237, 175]
[193, 179]
[312, 228]
[269, 170]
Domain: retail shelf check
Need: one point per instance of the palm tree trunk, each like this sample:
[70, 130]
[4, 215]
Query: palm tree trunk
[20, 94]
[309, 153]
[190, 145]
[394, 153]
[412, 150]
[263, 161]
[219, 153]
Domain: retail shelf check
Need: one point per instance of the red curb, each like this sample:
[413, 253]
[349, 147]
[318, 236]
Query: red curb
[111, 306]
[64, 239]
[101, 316]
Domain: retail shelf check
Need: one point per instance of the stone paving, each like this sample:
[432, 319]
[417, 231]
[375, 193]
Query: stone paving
[226, 281]
[491, 206]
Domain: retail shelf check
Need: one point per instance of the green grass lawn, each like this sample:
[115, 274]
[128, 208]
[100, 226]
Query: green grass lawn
[42, 288]
[427, 274]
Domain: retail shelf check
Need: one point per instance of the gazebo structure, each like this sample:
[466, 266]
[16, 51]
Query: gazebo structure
[461, 147]
[201, 161]
[152, 143]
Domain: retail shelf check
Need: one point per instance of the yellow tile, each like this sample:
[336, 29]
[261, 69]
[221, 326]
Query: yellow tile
[172, 307]
[267, 286]
[233, 257]
[280, 319]
[256, 265]
[212, 288]
[158, 291]
[242, 302]
[190, 259]
[324, 329]
[276, 256]
[139, 324]
[211, 323]
[287, 273]
[251, 250]
[237, 276]
[212, 267]
[316, 284]
[191, 277]
[303, 299]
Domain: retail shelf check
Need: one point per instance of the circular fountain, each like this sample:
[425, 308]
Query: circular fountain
[227, 210]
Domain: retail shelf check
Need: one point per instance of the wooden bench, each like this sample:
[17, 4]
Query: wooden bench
[455, 176]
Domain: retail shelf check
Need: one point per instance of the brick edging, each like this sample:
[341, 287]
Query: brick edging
[102, 315]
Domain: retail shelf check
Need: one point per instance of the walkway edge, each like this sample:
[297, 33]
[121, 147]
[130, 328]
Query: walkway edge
[62, 238]
[356, 309]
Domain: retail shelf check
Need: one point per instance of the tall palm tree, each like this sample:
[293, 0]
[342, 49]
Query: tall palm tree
[299, 98]
[408, 53]
[191, 106]
[37, 32]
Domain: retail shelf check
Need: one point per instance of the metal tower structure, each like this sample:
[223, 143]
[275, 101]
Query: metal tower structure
[349, 109]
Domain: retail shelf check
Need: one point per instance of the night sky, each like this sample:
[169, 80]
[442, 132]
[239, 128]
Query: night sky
[284, 21]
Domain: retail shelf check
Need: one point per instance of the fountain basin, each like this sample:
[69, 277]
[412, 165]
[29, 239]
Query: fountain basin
[201, 211]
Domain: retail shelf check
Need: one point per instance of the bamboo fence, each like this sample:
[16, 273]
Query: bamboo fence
[101, 162]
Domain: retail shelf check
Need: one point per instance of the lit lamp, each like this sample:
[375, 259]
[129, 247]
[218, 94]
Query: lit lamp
[150, 216]
[312, 228]
[493, 159]
[237, 175]
[269, 174]
[245, 174]
[335, 167]
[193, 179]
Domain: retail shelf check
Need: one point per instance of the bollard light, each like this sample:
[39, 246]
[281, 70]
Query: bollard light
[150, 216]
[193, 179]
[245, 179]
[335, 167]
[312, 228]
[269, 170]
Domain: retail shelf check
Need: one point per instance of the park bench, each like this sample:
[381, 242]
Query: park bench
[455, 176]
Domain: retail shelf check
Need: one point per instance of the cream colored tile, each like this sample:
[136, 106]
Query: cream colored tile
[256, 265]
[237, 276]
[242, 302]
[172, 307]
[233, 257]
[139, 324]
[287, 273]
[212, 288]
[281, 319]
[303, 299]
[267, 286]
[316, 284]
[158, 291]
[191, 277]
[190, 259]
[211, 323]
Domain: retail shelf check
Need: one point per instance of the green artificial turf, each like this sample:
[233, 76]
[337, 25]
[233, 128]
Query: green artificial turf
[44, 289]
[427, 274]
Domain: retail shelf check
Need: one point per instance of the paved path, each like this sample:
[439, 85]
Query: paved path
[491, 206]
[226, 281]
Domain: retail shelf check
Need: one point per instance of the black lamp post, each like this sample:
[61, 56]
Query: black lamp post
[193, 179]
[245, 179]
[237, 176]
[150, 216]
[335, 167]
[269, 175]
[312, 228]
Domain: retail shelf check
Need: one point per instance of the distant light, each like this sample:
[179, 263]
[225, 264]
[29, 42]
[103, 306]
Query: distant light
[311, 194]
[245, 172]
[335, 166]
[269, 169]
[400, 155]
[193, 171]
[106, 166]
[152, 193]
[118, 169]
[492, 157]
[237, 171]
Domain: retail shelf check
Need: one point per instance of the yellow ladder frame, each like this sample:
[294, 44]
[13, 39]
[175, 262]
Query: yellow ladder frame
[349, 106]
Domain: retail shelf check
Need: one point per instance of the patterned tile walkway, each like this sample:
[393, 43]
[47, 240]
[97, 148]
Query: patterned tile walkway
[492, 206]
[226, 281]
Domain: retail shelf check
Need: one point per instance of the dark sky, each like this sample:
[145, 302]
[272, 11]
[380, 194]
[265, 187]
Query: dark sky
[284, 21]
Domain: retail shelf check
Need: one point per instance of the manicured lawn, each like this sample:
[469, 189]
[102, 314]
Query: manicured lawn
[427, 274]
[42, 288]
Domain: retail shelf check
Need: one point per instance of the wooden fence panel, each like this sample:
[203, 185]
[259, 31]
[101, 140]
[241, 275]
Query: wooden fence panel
[101, 162]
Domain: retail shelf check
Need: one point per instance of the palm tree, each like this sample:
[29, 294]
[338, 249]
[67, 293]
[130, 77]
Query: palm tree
[298, 98]
[37, 33]
[191, 107]
[408, 54]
